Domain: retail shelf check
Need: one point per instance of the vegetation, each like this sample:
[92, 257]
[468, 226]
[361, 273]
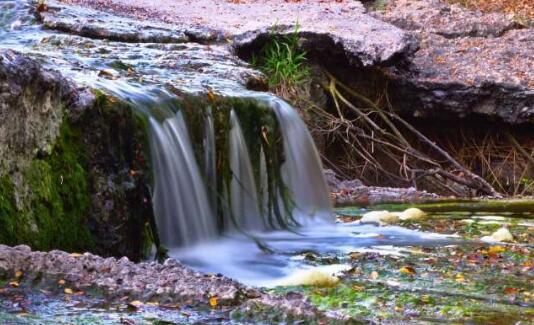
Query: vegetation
[48, 209]
[283, 61]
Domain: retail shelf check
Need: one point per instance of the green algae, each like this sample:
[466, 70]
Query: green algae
[265, 146]
[473, 283]
[53, 212]
[518, 206]
[8, 221]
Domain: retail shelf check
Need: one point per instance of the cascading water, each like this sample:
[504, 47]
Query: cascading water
[302, 171]
[243, 195]
[262, 170]
[181, 205]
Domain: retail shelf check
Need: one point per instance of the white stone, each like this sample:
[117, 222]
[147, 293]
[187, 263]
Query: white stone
[380, 217]
[501, 235]
[413, 214]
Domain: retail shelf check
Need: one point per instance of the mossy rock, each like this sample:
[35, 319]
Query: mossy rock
[53, 211]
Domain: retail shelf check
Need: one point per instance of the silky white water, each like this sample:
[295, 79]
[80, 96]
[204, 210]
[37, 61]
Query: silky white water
[245, 206]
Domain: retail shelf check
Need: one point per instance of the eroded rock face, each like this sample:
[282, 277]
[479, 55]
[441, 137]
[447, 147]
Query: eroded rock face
[30, 110]
[469, 63]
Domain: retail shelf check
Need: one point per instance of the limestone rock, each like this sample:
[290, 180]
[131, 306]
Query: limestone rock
[344, 28]
[469, 63]
[30, 110]
[450, 21]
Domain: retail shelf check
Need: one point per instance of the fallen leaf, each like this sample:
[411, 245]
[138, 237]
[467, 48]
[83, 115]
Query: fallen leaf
[135, 304]
[355, 255]
[510, 291]
[68, 291]
[172, 306]
[374, 275]
[407, 270]
[425, 298]
[75, 254]
[358, 288]
[496, 249]
[61, 282]
[18, 274]
[459, 277]
[211, 95]
[213, 302]
[14, 284]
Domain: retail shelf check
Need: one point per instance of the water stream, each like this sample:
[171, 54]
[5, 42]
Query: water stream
[185, 192]
[284, 207]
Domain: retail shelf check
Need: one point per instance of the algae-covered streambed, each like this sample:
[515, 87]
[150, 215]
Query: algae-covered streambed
[471, 282]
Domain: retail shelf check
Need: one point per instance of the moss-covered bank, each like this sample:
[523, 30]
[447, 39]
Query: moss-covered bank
[49, 208]
[82, 188]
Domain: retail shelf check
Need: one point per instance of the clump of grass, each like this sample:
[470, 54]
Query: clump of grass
[282, 60]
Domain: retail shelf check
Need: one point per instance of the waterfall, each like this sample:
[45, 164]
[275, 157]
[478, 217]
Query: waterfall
[193, 204]
[210, 157]
[181, 205]
[243, 194]
[302, 170]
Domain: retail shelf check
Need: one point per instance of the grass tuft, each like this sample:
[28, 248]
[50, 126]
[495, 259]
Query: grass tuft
[282, 60]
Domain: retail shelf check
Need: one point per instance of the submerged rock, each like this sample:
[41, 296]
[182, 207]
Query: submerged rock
[311, 277]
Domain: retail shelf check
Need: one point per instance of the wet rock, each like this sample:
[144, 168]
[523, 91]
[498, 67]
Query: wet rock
[95, 24]
[60, 144]
[336, 184]
[369, 195]
[170, 282]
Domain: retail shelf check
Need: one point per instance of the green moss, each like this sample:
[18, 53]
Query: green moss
[53, 213]
[8, 223]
